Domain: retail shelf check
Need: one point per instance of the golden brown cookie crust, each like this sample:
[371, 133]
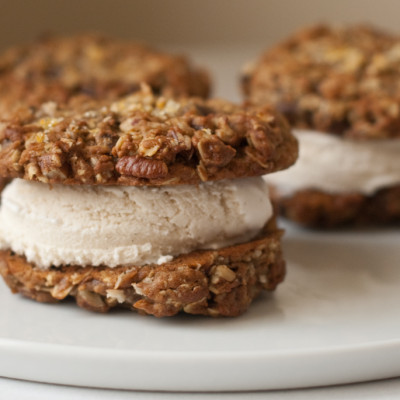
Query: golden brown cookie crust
[343, 81]
[209, 282]
[144, 139]
[316, 209]
[59, 68]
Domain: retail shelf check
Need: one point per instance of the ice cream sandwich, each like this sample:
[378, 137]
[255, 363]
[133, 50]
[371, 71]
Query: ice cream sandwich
[339, 88]
[149, 202]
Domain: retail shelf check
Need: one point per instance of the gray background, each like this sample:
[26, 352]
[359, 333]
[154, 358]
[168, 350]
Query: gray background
[186, 22]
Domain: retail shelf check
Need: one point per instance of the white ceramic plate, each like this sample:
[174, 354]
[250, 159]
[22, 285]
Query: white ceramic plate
[336, 319]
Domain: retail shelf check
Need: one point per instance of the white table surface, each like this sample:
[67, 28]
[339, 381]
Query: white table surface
[224, 63]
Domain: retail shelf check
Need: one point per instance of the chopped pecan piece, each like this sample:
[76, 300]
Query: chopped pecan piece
[259, 139]
[214, 153]
[91, 301]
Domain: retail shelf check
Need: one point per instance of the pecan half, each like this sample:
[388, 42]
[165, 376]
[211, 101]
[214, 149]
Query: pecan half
[141, 167]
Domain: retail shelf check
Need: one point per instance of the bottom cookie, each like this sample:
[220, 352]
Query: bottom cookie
[316, 209]
[209, 282]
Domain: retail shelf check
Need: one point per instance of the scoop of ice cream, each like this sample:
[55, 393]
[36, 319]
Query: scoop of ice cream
[112, 226]
[336, 165]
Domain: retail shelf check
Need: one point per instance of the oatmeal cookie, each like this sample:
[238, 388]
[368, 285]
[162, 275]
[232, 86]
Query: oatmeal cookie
[89, 65]
[318, 209]
[144, 139]
[344, 81]
[208, 282]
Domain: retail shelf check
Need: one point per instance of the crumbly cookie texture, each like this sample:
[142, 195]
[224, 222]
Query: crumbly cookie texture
[90, 65]
[144, 139]
[343, 81]
[317, 209]
[211, 282]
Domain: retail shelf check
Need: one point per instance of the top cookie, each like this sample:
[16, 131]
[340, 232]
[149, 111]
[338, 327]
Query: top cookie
[343, 81]
[144, 139]
[58, 68]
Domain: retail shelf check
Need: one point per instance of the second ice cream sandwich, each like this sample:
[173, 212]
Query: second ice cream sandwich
[339, 88]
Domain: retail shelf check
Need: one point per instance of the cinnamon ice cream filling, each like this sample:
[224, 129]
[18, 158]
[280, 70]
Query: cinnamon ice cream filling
[112, 226]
